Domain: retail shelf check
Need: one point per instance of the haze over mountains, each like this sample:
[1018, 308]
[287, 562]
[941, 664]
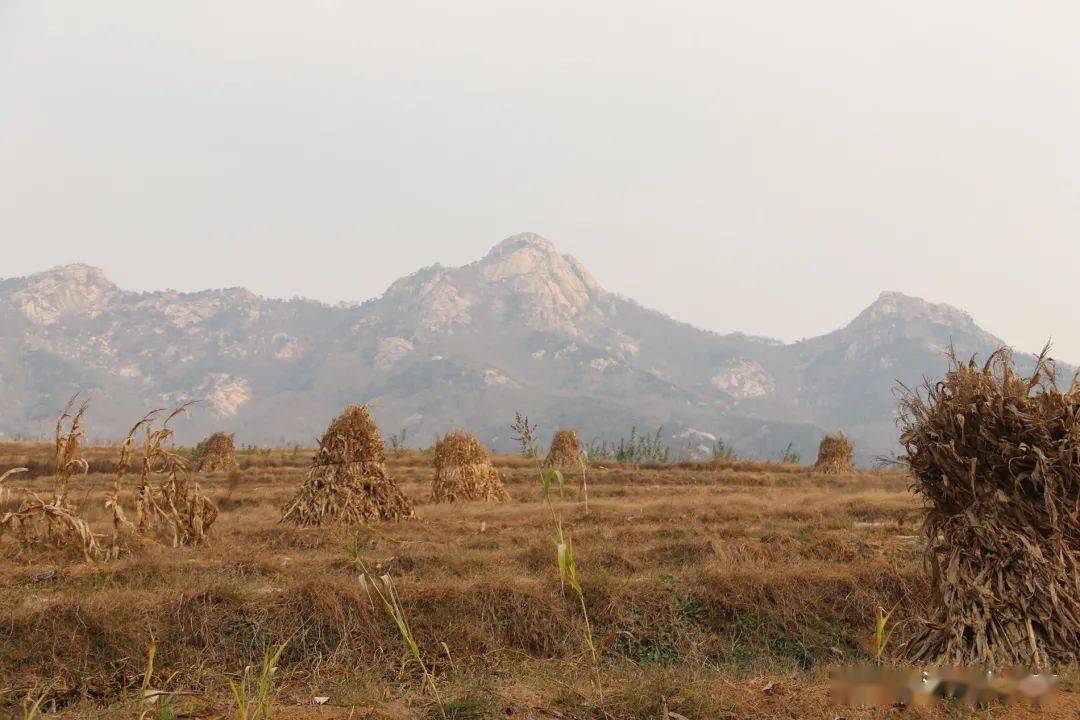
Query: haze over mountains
[523, 328]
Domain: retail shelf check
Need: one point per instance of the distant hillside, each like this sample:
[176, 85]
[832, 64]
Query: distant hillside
[523, 328]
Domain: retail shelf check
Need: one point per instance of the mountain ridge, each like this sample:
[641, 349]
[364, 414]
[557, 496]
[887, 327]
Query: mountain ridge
[521, 328]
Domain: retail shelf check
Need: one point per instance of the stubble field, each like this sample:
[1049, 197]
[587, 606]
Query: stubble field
[715, 591]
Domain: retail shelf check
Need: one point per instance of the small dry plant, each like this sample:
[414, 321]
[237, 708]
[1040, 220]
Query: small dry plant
[525, 435]
[54, 521]
[382, 587]
[568, 567]
[31, 709]
[882, 631]
[254, 695]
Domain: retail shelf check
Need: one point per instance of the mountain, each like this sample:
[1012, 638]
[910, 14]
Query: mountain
[523, 328]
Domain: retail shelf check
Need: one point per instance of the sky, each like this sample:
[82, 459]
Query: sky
[766, 167]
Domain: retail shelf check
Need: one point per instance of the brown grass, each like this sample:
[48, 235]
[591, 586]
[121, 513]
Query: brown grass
[216, 453]
[705, 584]
[348, 481]
[997, 458]
[834, 455]
[463, 471]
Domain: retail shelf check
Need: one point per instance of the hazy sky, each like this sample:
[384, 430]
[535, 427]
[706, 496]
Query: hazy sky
[758, 166]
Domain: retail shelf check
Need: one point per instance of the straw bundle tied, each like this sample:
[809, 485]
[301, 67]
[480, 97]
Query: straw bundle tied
[463, 471]
[834, 455]
[348, 481]
[565, 451]
[217, 452]
[997, 458]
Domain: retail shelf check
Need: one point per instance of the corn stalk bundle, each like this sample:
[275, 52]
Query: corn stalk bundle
[55, 521]
[565, 451]
[997, 458]
[834, 455]
[347, 481]
[217, 452]
[463, 471]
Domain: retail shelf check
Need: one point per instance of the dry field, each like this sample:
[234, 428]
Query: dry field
[715, 591]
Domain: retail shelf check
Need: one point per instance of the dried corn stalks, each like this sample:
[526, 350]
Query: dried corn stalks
[124, 531]
[997, 458]
[55, 522]
[834, 455]
[348, 481]
[463, 471]
[565, 451]
[176, 503]
[217, 452]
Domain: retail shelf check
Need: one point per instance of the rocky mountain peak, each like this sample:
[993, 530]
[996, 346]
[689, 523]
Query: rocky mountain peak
[522, 279]
[892, 305]
[547, 291]
[67, 290]
[530, 263]
[522, 241]
[898, 318]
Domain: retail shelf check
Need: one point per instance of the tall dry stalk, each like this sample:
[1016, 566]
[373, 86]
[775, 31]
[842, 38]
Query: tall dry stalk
[55, 522]
[121, 525]
[176, 503]
[66, 460]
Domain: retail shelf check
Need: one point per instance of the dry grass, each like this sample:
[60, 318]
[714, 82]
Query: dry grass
[997, 457]
[216, 453]
[348, 481]
[834, 455]
[463, 471]
[704, 584]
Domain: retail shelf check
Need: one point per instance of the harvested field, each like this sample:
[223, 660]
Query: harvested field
[715, 591]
